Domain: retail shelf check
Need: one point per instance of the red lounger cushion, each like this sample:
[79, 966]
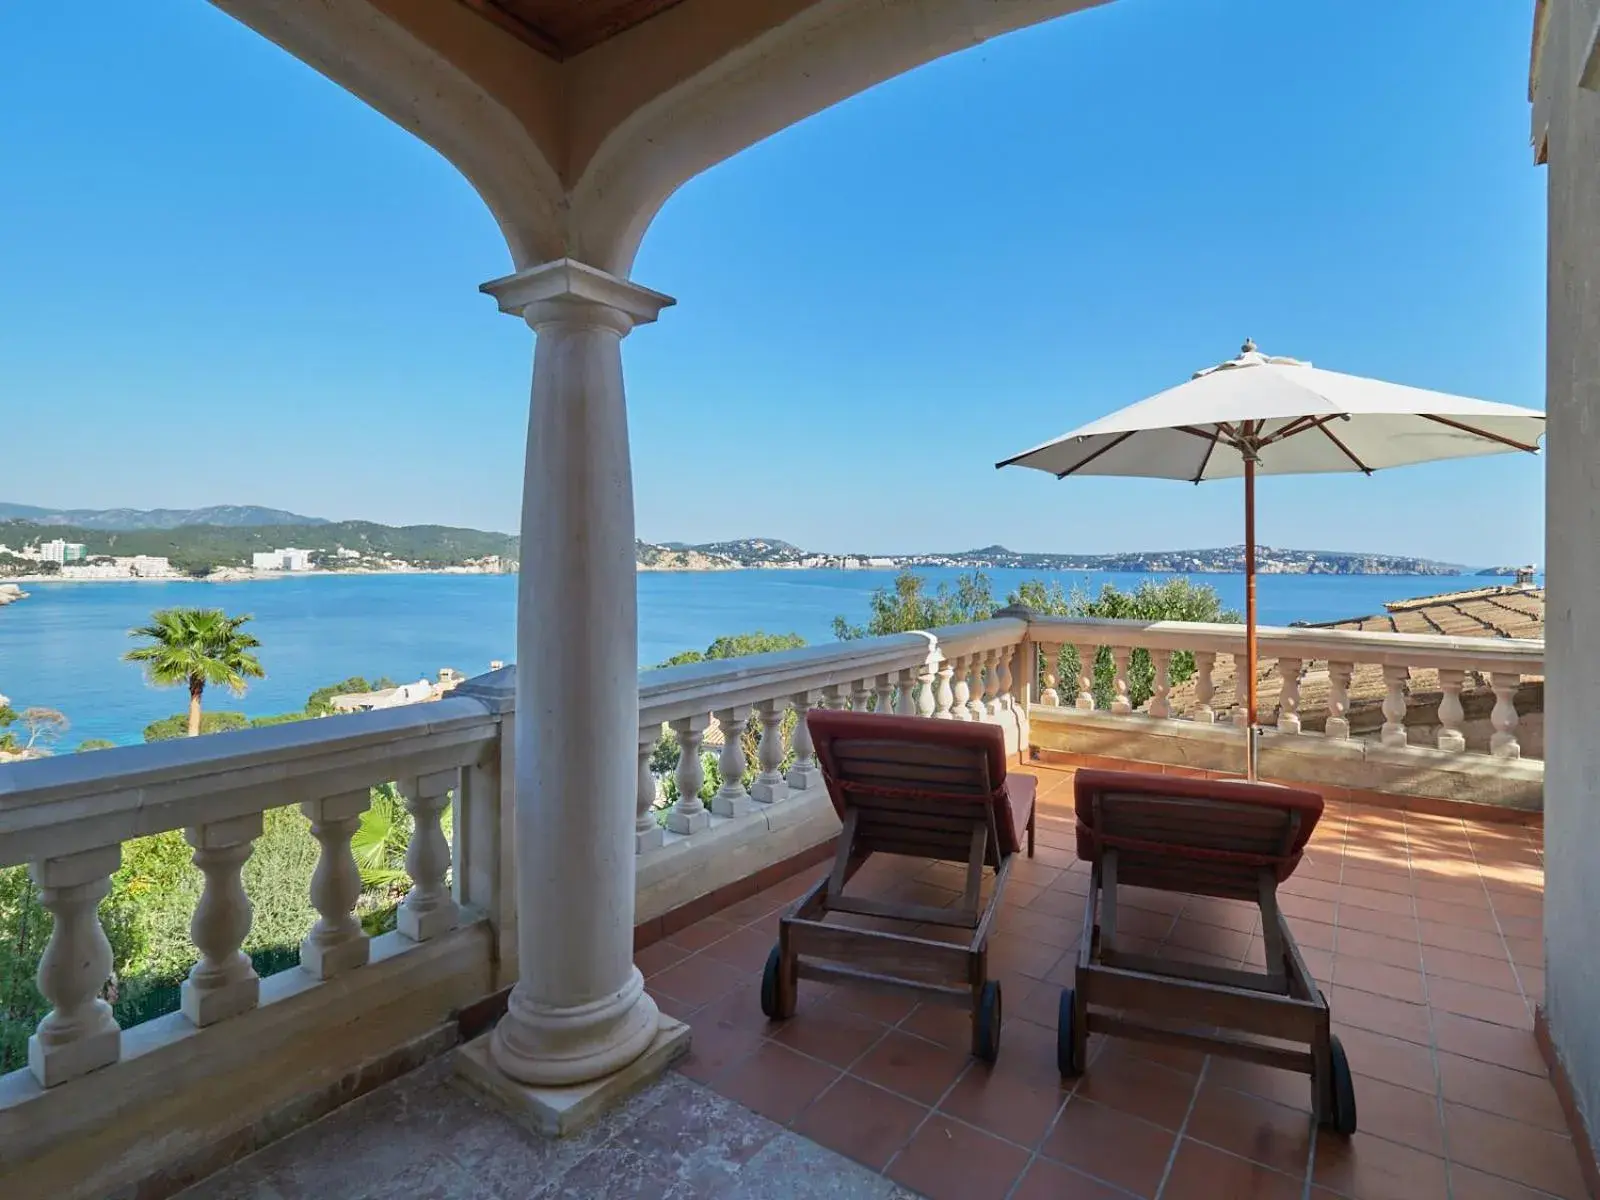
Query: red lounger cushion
[1089, 784]
[1017, 791]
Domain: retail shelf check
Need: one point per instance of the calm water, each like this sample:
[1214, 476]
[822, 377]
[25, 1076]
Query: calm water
[62, 646]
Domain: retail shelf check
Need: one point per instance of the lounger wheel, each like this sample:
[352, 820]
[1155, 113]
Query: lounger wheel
[771, 993]
[1341, 1118]
[1066, 1036]
[986, 1023]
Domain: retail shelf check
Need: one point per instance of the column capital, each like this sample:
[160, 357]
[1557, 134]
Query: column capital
[529, 293]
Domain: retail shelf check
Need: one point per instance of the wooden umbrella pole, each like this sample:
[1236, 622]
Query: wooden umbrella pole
[1250, 611]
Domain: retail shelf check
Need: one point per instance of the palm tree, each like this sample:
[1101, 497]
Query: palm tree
[196, 646]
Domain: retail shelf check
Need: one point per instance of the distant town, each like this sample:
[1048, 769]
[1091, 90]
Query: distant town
[234, 542]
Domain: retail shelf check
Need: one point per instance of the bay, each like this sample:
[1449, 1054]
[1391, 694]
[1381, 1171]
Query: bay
[62, 647]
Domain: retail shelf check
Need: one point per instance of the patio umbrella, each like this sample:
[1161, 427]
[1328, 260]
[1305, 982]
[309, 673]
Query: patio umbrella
[1258, 414]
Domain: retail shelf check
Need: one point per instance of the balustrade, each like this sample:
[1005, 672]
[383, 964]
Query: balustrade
[731, 800]
[1338, 722]
[770, 786]
[689, 813]
[428, 910]
[1086, 660]
[78, 1034]
[1289, 695]
[336, 943]
[1051, 654]
[1161, 668]
[223, 983]
[648, 834]
[804, 773]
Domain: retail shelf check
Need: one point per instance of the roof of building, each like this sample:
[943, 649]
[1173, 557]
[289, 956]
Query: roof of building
[1501, 611]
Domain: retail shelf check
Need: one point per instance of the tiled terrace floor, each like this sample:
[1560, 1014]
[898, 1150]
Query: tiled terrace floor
[1424, 931]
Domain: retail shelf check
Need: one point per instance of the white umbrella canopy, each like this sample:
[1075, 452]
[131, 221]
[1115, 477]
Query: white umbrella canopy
[1301, 420]
[1260, 414]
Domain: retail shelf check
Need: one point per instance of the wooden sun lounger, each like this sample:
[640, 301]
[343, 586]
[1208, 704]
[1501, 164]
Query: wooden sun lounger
[927, 789]
[1222, 838]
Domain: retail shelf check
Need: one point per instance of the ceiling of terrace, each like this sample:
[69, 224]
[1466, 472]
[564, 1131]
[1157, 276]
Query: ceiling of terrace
[563, 28]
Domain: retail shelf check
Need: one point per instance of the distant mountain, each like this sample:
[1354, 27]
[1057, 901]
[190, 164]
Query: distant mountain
[228, 516]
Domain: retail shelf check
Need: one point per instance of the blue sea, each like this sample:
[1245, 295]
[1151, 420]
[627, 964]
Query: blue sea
[62, 647]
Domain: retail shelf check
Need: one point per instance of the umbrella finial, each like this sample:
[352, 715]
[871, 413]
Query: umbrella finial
[1249, 346]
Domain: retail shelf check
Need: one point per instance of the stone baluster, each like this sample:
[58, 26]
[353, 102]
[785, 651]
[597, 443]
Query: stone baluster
[1338, 723]
[78, 1034]
[1394, 705]
[961, 690]
[927, 687]
[1241, 697]
[991, 683]
[906, 704]
[223, 983]
[1121, 703]
[428, 910]
[836, 696]
[861, 695]
[1086, 661]
[1050, 672]
[979, 681]
[1004, 681]
[647, 832]
[1503, 741]
[1450, 712]
[770, 786]
[1161, 665]
[944, 696]
[731, 799]
[1205, 687]
[336, 943]
[884, 695]
[689, 813]
[804, 773]
[1289, 695]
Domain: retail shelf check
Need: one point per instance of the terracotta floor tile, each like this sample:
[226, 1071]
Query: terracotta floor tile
[1228, 944]
[1023, 957]
[1509, 904]
[1315, 935]
[1202, 1173]
[1375, 947]
[1471, 894]
[1486, 1004]
[950, 1161]
[775, 1081]
[1287, 1088]
[1486, 942]
[1379, 881]
[1046, 1180]
[1379, 1014]
[1522, 1153]
[1252, 1128]
[658, 956]
[1229, 914]
[1532, 980]
[1016, 1105]
[1488, 1042]
[1397, 983]
[676, 1009]
[949, 1026]
[1400, 1114]
[1307, 908]
[1060, 905]
[1467, 1184]
[886, 1007]
[1471, 968]
[1112, 1146]
[920, 1070]
[747, 949]
[1138, 1086]
[860, 1121]
[702, 933]
[1392, 1060]
[698, 980]
[1526, 952]
[1463, 916]
[1395, 925]
[713, 1048]
[835, 1035]
[1364, 1167]
[1522, 927]
[1531, 1099]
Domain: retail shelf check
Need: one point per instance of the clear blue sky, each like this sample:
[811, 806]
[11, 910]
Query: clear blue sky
[224, 280]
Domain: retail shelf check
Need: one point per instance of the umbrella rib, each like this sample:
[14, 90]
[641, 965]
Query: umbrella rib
[1328, 433]
[1206, 461]
[1109, 446]
[1483, 433]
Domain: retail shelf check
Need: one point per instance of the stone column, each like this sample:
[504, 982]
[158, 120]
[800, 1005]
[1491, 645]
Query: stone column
[647, 833]
[1121, 656]
[1450, 712]
[336, 943]
[579, 1010]
[1205, 662]
[804, 772]
[1050, 672]
[1503, 741]
[1161, 664]
[223, 983]
[1338, 723]
[731, 799]
[1086, 661]
[429, 909]
[1289, 695]
[1394, 705]
[770, 786]
[78, 1034]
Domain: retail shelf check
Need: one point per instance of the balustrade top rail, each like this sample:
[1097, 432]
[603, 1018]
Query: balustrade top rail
[63, 804]
[1276, 641]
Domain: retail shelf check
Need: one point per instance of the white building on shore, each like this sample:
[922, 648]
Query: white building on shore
[287, 559]
[61, 552]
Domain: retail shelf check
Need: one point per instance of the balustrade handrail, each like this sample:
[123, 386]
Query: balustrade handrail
[1339, 645]
[65, 804]
[671, 693]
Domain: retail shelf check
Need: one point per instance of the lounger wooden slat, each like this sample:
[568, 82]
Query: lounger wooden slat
[1219, 838]
[927, 789]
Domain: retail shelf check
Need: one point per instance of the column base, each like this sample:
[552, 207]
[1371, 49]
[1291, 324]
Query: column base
[56, 1063]
[207, 1006]
[324, 962]
[803, 777]
[1337, 727]
[680, 822]
[764, 791]
[1453, 743]
[430, 923]
[731, 806]
[560, 1111]
[645, 840]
